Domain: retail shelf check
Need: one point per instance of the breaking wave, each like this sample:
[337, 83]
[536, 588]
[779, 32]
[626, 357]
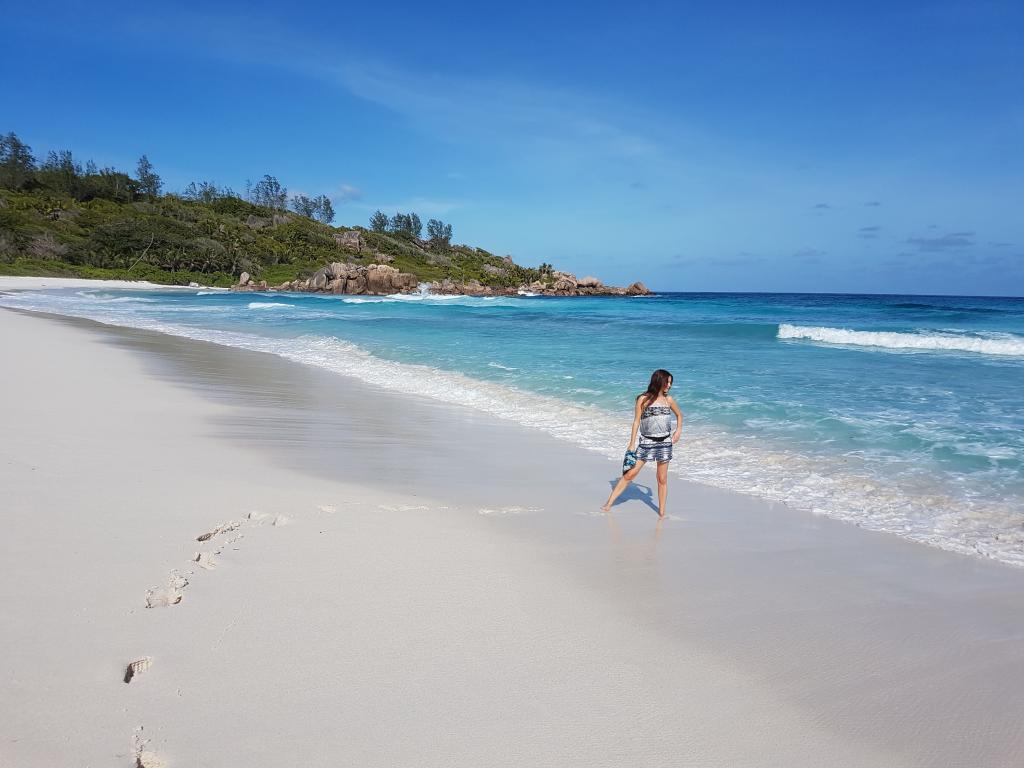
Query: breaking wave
[1002, 344]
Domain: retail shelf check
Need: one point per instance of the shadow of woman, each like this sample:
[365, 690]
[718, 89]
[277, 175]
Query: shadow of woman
[635, 491]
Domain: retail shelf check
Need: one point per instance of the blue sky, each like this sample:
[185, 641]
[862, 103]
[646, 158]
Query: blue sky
[865, 147]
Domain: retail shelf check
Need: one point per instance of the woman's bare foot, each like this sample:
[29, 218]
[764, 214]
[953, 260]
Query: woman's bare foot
[606, 508]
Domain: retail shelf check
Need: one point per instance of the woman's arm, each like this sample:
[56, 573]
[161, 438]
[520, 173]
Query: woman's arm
[679, 419]
[636, 424]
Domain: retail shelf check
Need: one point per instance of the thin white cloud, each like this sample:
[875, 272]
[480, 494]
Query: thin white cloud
[346, 193]
[498, 110]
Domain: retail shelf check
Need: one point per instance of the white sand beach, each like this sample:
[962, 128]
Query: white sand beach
[13, 283]
[373, 589]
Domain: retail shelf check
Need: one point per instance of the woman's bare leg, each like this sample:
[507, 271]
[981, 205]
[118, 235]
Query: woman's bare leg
[662, 487]
[620, 486]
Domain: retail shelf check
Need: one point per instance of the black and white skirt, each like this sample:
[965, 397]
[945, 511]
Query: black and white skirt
[654, 450]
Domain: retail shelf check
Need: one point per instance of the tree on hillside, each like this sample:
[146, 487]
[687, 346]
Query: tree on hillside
[324, 209]
[62, 161]
[304, 206]
[107, 183]
[438, 232]
[399, 224]
[408, 224]
[269, 193]
[319, 208]
[149, 181]
[16, 162]
[379, 222]
[206, 192]
[60, 172]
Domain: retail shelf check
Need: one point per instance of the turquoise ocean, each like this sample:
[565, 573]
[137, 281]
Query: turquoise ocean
[902, 414]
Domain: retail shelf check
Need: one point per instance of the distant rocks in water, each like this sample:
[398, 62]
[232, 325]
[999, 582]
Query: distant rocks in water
[382, 279]
[559, 284]
[637, 289]
[338, 277]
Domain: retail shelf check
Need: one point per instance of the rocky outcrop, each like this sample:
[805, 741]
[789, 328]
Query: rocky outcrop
[382, 279]
[350, 240]
[339, 277]
[637, 289]
[557, 284]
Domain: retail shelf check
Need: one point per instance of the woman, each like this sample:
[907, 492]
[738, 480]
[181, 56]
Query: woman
[652, 418]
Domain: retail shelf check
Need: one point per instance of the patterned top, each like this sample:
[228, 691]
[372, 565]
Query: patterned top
[656, 421]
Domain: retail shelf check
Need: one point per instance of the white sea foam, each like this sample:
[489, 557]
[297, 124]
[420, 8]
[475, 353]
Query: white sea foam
[368, 300]
[736, 461]
[426, 296]
[107, 299]
[453, 298]
[267, 305]
[992, 344]
[502, 367]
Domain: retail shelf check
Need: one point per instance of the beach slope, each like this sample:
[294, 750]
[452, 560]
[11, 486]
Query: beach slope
[216, 557]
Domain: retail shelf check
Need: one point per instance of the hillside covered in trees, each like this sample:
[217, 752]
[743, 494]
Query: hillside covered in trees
[60, 218]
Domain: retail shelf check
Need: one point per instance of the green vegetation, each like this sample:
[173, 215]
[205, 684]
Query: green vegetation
[58, 218]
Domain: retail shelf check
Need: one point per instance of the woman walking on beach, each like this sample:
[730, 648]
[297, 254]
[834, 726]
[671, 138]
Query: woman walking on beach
[652, 419]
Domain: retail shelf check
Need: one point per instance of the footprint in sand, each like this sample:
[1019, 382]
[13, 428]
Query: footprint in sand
[169, 594]
[402, 507]
[173, 592]
[144, 758]
[231, 525]
[228, 542]
[137, 667]
[205, 560]
[264, 518]
[327, 509]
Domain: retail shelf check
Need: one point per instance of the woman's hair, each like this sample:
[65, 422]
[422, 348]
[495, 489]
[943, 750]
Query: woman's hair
[659, 379]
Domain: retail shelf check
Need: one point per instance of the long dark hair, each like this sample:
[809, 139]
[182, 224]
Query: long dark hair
[659, 379]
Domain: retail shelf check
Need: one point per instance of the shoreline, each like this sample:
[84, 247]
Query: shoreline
[509, 616]
[810, 482]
